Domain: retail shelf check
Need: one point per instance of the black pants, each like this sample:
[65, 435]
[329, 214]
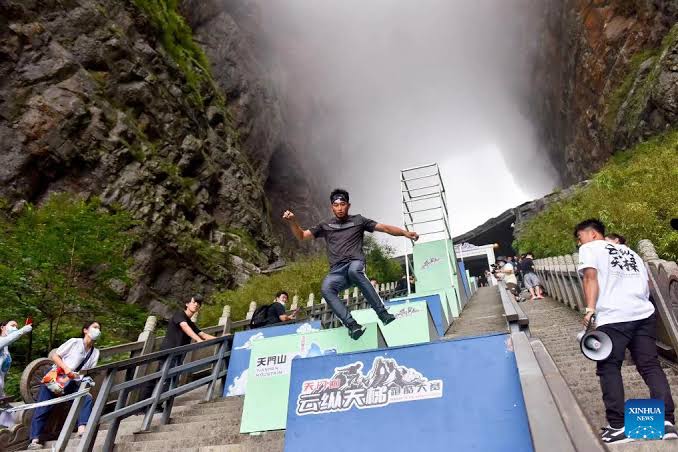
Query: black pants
[639, 337]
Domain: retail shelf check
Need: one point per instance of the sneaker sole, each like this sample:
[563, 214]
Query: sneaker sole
[620, 441]
[355, 336]
[670, 436]
[388, 321]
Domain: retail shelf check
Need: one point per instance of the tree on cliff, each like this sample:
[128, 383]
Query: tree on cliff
[57, 262]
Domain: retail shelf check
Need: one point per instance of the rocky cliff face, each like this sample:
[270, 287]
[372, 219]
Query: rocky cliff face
[606, 76]
[92, 103]
[244, 68]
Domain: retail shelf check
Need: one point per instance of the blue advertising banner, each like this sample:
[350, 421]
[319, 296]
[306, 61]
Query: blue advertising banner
[434, 306]
[464, 278]
[644, 418]
[236, 378]
[449, 395]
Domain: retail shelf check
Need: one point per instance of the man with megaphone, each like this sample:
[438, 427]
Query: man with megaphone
[616, 292]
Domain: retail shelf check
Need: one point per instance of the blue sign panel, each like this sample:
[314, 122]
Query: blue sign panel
[464, 279]
[433, 302]
[644, 418]
[236, 378]
[448, 395]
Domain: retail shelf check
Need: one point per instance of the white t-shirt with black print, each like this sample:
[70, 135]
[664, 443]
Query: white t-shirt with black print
[624, 294]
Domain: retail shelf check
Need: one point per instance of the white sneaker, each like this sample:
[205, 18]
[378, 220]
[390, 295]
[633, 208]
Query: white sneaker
[34, 445]
[670, 431]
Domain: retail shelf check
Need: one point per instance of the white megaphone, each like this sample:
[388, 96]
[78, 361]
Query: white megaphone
[594, 344]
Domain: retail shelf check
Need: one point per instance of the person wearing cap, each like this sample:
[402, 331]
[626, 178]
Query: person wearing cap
[343, 234]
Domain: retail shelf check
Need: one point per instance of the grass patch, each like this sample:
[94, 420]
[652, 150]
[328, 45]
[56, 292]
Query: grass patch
[634, 195]
[631, 98]
[300, 278]
[177, 39]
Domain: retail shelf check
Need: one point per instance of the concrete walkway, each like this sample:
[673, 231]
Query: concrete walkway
[482, 315]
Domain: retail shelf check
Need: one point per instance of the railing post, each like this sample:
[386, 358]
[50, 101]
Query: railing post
[574, 282]
[147, 336]
[215, 372]
[157, 392]
[71, 419]
[565, 273]
[115, 424]
[250, 312]
[225, 320]
[87, 441]
[295, 302]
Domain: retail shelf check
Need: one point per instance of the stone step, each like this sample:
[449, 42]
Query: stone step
[271, 441]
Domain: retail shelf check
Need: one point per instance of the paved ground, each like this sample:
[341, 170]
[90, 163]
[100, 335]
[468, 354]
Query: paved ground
[484, 314]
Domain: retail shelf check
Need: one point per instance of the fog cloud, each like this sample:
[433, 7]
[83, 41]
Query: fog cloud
[374, 86]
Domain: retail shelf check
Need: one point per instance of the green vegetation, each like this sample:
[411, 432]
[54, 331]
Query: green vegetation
[301, 278]
[632, 98]
[57, 263]
[177, 39]
[634, 195]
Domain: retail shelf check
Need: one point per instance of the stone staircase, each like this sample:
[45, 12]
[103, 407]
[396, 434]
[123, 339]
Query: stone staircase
[557, 325]
[484, 314]
[194, 427]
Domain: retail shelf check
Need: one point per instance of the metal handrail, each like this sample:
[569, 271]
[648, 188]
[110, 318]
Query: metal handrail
[167, 375]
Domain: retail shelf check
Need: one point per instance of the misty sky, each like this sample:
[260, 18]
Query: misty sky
[402, 83]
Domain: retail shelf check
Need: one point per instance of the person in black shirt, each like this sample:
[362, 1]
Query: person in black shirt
[532, 281]
[181, 328]
[343, 236]
[180, 331]
[276, 313]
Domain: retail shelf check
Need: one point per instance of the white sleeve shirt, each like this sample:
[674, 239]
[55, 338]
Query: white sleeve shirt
[624, 294]
[73, 351]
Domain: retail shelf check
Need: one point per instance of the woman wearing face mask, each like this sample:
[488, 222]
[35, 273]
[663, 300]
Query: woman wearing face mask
[9, 332]
[72, 356]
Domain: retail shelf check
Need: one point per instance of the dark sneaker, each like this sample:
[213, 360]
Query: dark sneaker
[614, 435]
[670, 431]
[355, 330]
[386, 318]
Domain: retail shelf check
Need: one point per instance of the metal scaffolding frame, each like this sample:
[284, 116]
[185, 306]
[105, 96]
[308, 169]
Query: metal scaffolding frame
[424, 209]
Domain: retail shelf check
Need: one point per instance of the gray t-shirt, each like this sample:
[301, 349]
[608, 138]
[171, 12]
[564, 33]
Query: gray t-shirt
[344, 239]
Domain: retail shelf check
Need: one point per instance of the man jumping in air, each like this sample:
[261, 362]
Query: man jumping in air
[343, 235]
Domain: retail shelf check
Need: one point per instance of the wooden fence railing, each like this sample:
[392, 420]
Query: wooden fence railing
[562, 281]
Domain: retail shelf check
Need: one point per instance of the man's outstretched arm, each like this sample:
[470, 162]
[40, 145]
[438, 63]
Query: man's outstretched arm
[396, 231]
[300, 234]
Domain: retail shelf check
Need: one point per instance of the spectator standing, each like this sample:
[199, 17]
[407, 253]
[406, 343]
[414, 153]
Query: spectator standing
[505, 271]
[616, 291]
[180, 331]
[9, 333]
[532, 281]
[276, 312]
[72, 356]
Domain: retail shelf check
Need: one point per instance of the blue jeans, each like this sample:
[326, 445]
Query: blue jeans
[41, 414]
[341, 277]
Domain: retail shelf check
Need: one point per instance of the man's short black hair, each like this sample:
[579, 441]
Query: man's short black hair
[337, 192]
[592, 223]
[281, 292]
[620, 238]
[197, 298]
